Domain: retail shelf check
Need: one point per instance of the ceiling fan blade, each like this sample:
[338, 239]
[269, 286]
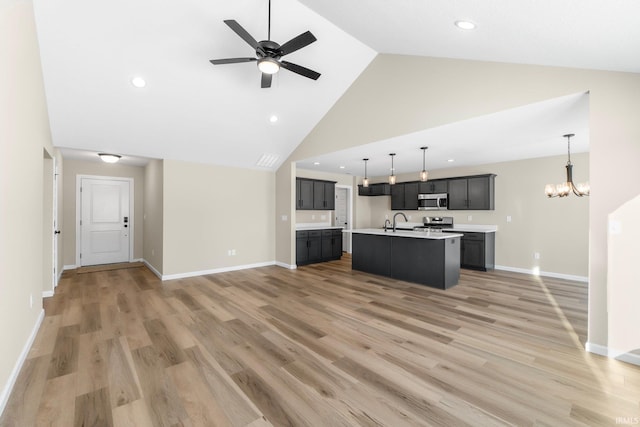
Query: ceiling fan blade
[298, 69]
[266, 80]
[231, 60]
[237, 28]
[296, 43]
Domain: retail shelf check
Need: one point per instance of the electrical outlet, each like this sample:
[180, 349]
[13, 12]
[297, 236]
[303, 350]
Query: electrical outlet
[233, 251]
[313, 217]
[408, 216]
[31, 301]
[508, 218]
[284, 217]
[469, 218]
[323, 217]
[536, 255]
[386, 217]
[153, 252]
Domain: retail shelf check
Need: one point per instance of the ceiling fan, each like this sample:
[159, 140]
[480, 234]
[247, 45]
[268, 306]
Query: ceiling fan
[269, 53]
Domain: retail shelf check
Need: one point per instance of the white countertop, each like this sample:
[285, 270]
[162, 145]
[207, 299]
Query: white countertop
[305, 227]
[403, 233]
[475, 228]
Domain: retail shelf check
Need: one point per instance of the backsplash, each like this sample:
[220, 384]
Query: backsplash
[314, 217]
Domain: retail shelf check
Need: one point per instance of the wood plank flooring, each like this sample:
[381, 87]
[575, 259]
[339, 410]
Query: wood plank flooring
[319, 346]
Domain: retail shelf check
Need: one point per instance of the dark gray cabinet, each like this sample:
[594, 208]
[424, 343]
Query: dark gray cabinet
[313, 194]
[432, 262]
[324, 195]
[434, 186]
[404, 196]
[318, 246]
[378, 189]
[472, 193]
[477, 250]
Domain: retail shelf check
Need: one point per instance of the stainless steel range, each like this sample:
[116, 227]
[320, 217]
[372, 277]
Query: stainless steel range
[436, 223]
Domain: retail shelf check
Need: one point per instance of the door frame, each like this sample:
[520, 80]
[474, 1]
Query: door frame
[79, 179]
[350, 211]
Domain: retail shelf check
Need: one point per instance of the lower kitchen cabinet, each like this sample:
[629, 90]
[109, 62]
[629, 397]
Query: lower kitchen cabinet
[477, 251]
[318, 246]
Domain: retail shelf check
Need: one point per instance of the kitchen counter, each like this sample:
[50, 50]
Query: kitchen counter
[429, 258]
[306, 227]
[422, 234]
[475, 228]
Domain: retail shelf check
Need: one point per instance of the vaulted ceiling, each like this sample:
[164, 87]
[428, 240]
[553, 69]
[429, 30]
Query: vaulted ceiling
[191, 110]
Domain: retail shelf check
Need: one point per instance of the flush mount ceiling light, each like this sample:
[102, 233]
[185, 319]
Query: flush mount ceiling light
[568, 187]
[273, 118]
[465, 25]
[392, 177]
[424, 175]
[109, 158]
[365, 181]
[138, 82]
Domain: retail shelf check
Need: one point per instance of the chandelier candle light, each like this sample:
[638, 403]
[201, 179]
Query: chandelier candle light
[568, 187]
[392, 177]
[424, 175]
[365, 181]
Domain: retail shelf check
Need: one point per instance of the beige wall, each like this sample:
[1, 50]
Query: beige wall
[73, 168]
[24, 133]
[209, 210]
[153, 214]
[398, 95]
[558, 229]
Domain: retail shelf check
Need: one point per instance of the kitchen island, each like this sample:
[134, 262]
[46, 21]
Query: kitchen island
[429, 258]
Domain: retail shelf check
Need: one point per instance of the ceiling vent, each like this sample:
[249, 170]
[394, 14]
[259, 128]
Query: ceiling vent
[267, 160]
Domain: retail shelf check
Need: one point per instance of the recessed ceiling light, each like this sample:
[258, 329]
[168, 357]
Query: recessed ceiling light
[451, 160]
[138, 82]
[316, 163]
[465, 25]
[273, 118]
[341, 167]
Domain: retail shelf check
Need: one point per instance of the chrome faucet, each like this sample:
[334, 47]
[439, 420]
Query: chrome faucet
[394, 219]
[386, 221]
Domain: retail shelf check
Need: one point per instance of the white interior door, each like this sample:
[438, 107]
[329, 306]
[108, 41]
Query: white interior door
[105, 225]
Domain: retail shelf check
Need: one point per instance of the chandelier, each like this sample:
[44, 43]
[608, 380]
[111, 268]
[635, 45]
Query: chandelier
[567, 187]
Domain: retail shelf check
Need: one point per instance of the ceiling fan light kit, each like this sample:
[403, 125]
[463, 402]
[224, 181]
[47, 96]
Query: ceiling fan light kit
[269, 53]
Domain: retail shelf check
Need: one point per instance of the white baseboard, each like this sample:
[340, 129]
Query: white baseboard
[288, 266]
[612, 353]
[8, 387]
[69, 267]
[543, 273]
[47, 294]
[215, 270]
[152, 268]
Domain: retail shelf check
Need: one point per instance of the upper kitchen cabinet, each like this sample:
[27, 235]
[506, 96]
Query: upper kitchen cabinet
[313, 194]
[472, 193]
[404, 196]
[434, 186]
[379, 189]
[324, 195]
[304, 194]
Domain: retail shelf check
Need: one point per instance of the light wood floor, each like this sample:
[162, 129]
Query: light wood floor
[321, 345]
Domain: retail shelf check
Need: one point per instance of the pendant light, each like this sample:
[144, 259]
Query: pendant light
[365, 181]
[424, 175]
[567, 187]
[392, 177]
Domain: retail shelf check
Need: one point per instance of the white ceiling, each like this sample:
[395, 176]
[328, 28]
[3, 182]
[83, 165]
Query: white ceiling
[191, 110]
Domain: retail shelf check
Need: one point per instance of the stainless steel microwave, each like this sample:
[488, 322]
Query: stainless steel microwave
[433, 202]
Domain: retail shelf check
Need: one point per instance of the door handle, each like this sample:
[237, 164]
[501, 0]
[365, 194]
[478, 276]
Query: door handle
[56, 232]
